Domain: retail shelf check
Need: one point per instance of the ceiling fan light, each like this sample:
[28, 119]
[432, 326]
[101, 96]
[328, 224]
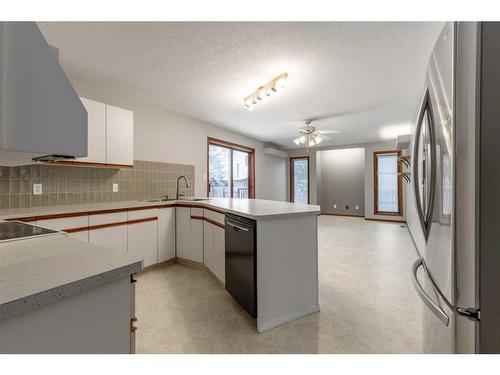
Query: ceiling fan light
[300, 141]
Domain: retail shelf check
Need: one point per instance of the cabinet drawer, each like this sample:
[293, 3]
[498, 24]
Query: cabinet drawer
[65, 223]
[196, 211]
[115, 217]
[215, 216]
[142, 214]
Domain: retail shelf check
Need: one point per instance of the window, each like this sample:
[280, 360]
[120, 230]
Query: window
[231, 171]
[387, 183]
[299, 179]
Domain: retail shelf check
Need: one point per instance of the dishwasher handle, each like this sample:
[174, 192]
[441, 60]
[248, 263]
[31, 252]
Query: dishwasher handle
[237, 227]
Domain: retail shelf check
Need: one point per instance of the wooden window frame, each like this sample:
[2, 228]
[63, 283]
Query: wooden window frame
[251, 164]
[399, 185]
[292, 178]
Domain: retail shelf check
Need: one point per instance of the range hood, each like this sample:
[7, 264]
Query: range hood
[40, 112]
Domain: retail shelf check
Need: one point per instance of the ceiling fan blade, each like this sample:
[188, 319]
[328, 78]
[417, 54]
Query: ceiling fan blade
[324, 137]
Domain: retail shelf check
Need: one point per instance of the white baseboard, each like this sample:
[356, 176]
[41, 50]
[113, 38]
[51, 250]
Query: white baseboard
[266, 326]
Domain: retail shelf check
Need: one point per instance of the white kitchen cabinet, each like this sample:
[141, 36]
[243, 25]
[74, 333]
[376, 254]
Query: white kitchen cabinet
[143, 236]
[183, 231]
[166, 234]
[96, 131]
[196, 253]
[119, 136]
[219, 254]
[114, 237]
[208, 245]
[68, 223]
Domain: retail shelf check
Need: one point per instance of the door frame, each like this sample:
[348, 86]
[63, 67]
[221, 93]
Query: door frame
[251, 164]
[292, 177]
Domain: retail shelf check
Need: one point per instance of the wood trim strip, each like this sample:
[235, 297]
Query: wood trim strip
[29, 219]
[90, 164]
[214, 222]
[208, 221]
[143, 220]
[107, 225]
[74, 230]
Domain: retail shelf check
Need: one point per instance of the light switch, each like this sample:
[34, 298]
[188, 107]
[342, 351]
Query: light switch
[115, 188]
[204, 176]
[334, 205]
[37, 189]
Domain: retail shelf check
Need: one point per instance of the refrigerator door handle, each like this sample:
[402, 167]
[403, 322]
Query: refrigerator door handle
[434, 307]
[425, 218]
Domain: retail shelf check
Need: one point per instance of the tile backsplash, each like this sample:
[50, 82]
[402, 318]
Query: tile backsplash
[75, 185]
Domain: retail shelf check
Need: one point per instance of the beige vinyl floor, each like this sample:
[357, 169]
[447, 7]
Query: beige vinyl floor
[367, 301]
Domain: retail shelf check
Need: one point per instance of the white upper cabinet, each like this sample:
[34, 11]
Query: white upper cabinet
[119, 136]
[96, 131]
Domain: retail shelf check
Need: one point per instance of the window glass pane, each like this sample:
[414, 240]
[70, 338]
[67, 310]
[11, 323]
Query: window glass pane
[219, 169]
[300, 181]
[240, 174]
[387, 183]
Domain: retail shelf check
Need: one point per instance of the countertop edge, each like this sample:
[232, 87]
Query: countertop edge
[22, 305]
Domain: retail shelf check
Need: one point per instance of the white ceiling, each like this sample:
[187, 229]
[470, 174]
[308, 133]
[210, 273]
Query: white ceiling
[365, 76]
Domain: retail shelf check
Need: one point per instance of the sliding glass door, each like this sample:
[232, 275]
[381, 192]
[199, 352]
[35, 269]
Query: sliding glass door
[230, 170]
[299, 180]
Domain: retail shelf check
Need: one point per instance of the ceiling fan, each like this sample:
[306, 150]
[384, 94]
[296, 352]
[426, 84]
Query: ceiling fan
[310, 137]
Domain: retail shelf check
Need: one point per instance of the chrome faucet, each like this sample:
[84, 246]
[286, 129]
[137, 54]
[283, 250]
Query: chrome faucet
[177, 195]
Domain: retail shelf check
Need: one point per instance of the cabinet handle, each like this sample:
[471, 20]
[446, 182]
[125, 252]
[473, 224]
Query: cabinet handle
[133, 328]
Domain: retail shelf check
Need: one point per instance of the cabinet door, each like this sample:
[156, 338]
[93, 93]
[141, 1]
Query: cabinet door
[143, 241]
[219, 254]
[196, 253]
[96, 131]
[166, 234]
[80, 235]
[119, 136]
[183, 231]
[208, 245]
[112, 237]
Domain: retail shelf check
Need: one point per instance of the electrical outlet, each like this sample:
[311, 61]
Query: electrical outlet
[37, 189]
[357, 207]
[334, 205]
[115, 188]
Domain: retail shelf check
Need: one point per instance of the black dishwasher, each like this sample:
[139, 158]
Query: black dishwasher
[241, 261]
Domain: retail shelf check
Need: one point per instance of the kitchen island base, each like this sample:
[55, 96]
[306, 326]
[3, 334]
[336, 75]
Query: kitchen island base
[96, 321]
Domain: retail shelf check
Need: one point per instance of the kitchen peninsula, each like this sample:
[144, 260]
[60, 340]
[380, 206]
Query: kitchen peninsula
[189, 231]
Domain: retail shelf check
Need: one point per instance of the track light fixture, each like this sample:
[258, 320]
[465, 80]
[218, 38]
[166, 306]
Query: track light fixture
[273, 86]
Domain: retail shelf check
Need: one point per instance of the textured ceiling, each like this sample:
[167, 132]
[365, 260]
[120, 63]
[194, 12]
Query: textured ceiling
[363, 79]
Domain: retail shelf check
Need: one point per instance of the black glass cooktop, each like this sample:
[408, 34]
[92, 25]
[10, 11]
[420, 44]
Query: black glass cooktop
[10, 230]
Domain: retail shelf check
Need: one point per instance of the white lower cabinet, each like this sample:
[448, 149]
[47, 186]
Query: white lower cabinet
[183, 231]
[143, 236]
[219, 253]
[166, 234]
[196, 253]
[68, 223]
[114, 237]
[208, 245]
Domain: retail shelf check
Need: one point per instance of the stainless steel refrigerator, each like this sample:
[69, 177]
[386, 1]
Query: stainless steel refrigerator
[454, 197]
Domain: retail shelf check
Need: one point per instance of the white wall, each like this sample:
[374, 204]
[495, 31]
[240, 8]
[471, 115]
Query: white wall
[369, 192]
[167, 136]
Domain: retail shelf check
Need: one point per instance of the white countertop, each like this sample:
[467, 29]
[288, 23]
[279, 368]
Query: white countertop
[41, 270]
[252, 208]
